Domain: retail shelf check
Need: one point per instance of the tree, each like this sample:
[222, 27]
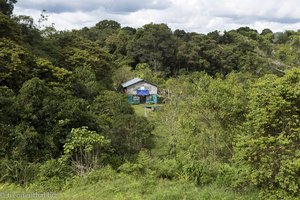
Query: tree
[116, 43]
[84, 148]
[9, 28]
[54, 76]
[16, 64]
[8, 119]
[109, 105]
[7, 6]
[268, 145]
[198, 122]
[181, 34]
[154, 44]
[46, 116]
[84, 53]
[101, 31]
[122, 75]
[128, 133]
[143, 70]
[189, 56]
[85, 84]
[266, 31]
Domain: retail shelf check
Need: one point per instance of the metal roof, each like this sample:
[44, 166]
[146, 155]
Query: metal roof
[131, 82]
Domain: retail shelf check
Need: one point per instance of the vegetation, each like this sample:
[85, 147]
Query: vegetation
[228, 127]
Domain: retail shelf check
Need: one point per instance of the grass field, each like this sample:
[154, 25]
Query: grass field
[141, 109]
[109, 185]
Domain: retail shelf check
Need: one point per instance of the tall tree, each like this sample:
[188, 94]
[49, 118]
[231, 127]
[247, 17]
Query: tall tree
[154, 44]
[7, 6]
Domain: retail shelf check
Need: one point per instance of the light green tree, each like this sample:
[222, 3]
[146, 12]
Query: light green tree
[268, 145]
[84, 148]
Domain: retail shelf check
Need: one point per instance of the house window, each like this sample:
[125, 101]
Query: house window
[136, 98]
[149, 98]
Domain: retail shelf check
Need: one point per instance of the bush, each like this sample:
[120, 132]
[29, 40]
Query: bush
[166, 168]
[199, 172]
[235, 177]
[131, 168]
[93, 177]
[142, 165]
[105, 173]
[14, 171]
[52, 175]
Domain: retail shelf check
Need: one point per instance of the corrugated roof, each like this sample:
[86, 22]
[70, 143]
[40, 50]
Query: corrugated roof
[131, 82]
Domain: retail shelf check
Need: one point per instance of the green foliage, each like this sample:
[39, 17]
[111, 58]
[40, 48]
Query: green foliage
[199, 121]
[54, 76]
[16, 171]
[234, 176]
[109, 106]
[85, 84]
[9, 29]
[84, 147]
[7, 118]
[101, 31]
[16, 63]
[43, 121]
[140, 167]
[57, 105]
[153, 44]
[166, 168]
[7, 6]
[130, 134]
[52, 175]
[142, 70]
[122, 75]
[198, 172]
[112, 185]
[269, 142]
[80, 52]
[147, 165]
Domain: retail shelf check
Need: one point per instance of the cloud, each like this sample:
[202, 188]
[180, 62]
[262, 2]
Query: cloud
[191, 15]
[115, 6]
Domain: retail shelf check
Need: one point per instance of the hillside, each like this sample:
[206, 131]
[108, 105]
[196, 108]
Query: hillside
[228, 128]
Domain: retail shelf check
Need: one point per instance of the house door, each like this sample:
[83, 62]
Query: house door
[142, 99]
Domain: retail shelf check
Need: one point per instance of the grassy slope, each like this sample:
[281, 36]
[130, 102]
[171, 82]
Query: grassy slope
[141, 111]
[108, 185]
[134, 189]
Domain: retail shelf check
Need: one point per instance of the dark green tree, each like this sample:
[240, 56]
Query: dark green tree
[7, 6]
[154, 44]
[9, 28]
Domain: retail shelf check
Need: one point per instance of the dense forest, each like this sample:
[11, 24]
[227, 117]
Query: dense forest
[231, 119]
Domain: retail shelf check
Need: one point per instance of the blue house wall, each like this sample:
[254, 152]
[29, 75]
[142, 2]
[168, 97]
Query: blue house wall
[135, 99]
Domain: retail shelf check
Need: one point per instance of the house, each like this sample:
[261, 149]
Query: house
[139, 91]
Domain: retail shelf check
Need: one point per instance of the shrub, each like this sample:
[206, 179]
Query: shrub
[52, 175]
[199, 172]
[166, 168]
[14, 171]
[235, 177]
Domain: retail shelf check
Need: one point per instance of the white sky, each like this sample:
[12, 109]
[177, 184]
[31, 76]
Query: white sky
[190, 15]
